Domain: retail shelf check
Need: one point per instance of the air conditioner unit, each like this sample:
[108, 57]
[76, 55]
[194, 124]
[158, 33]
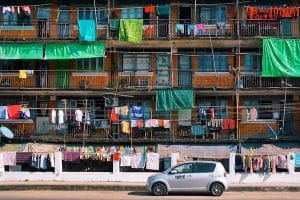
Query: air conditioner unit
[143, 82]
[111, 102]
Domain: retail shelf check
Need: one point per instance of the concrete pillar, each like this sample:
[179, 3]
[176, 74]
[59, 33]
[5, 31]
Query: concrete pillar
[58, 162]
[116, 166]
[232, 163]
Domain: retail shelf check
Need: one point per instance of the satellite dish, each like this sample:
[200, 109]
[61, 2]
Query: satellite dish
[6, 132]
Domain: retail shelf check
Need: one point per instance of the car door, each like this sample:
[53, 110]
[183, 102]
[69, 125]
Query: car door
[179, 178]
[203, 175]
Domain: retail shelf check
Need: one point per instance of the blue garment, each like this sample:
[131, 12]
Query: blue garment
[3, 112]
[137, 112]
[179, 28]
[198, 130]
[201, 113]
[87, 30]
[190, 29]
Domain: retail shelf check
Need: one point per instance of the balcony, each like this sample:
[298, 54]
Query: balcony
[257, 81]
[153, 29]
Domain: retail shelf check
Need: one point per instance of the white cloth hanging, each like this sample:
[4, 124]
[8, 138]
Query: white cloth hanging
[78, 115]
[60, 116]
[152, 161]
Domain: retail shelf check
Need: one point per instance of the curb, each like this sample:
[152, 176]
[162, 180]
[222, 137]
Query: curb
[137, 188]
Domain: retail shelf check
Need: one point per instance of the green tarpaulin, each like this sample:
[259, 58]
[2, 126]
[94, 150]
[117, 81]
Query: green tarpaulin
[281, 58]
[87, 30]
[174, 99]
[56, 51]
[21, 51]
[131, 30]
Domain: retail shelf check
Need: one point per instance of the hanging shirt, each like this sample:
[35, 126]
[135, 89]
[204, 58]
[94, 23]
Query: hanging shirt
[152, 161]
[9, 158]
[87, 118]
[253, 114]
[22, 74]
[125, 160]
[14, 111]
[167, 123]
[3, 112]
[78, 115]
[125, 127]
[124, 110]
[149, 9]
[113, 116]
[140, 123]
[133, 123]
[60, 116]
[118, 110]
[137, 112]
[53, 116]
[137, 161]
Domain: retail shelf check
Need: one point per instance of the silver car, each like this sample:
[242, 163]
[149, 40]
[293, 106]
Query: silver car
[192, 176]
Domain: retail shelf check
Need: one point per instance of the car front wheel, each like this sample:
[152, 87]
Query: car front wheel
[216, 189]
[159, 189]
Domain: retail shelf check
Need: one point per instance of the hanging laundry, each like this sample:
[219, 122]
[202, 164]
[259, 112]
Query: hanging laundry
[167, 123]
[118, 110]
[24, 112]
[131, 30]
[14, 111]
[160, 122]
[78, 115]
[9, 158]
[228, 124]
[163, 10]
[154, 123]
[148, 123]
[138, 161]
[140, 123]
[124, 110]
[137, 112]
[125, 127]
[73, 157]
[201, 114]
[125, 160]
[190, 29]
[87, 30]
[184, 117]
[23, 74]
[113, 116]
[198, 130]
[3, 112]
[179, 28]
[61, 117]
[53, 116]
[114, 24]
[253, 114]
[152, 161]
[23, 157]
[149, 9]
[199, 29]
[87, 118]
[149, 30]
[133, 123]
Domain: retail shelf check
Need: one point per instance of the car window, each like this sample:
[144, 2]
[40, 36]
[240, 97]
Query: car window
[204, 167]
[184, 168]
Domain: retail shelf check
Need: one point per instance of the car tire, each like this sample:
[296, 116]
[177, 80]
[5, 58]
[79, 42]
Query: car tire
[159, 189]
[216, 189]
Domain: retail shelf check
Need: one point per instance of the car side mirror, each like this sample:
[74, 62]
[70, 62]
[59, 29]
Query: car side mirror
[174, 171]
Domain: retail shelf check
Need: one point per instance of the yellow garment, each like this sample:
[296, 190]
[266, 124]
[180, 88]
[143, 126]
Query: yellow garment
[125, 127]
[124, 110]
[22, 73]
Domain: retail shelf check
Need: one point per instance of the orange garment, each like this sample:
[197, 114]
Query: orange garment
[14, 111]
[160, 122]
[149, 9]
[113, 116]
[228, 124]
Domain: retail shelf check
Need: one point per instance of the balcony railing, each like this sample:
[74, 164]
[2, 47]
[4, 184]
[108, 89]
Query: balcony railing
[154, 29]
[257, 81]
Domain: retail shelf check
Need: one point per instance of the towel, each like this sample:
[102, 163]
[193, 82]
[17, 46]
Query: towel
[87, 30]
[114, 24]
[22, 73]
[163, 10]
[131, 30]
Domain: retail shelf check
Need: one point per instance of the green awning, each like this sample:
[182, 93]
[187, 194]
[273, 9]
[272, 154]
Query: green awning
[174, 99]
[23, 51]
[281, 58]
[56, 51]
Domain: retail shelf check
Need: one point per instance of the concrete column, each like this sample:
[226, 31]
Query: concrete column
[232, 163]
[116, 166]
[58, 162]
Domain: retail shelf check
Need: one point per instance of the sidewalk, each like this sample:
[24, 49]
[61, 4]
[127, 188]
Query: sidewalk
[130, 186]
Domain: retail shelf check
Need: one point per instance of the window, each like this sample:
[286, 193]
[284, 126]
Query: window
[89, 13]
[89, 65]
[184, 168]
[266, 109]
[252, 62]
[132, 13]
[204, 167]
[219, 105]
[13, 65]
[16, 15]
[134, 62]
[211, 15]
[206, 62]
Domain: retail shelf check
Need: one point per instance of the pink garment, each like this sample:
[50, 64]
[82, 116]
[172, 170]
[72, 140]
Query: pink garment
[9, 158]
[167, 124]
[199, 29]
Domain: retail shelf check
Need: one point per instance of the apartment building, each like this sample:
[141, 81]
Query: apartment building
[146, 72]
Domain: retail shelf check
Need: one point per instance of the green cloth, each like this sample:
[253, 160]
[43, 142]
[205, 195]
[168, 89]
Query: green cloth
[114, 24]
[23, 51]
[281, 58]
[163, 10]
[176, 99]
[62, 74]
[87, 30]
[131, 30]
[55, 51]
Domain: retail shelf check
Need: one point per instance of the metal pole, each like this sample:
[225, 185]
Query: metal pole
[238, 71]
[284, 105]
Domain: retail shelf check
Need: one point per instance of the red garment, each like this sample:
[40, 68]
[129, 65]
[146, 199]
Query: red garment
[140, 123]
[116, 156]
[228, 124]
[149, 9]
[113, 116]
[14, 111]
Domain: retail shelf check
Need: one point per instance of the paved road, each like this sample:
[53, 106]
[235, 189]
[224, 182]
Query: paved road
[128, 195]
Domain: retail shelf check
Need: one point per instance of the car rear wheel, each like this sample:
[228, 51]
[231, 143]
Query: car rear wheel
[216, 189]
[159, 189]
